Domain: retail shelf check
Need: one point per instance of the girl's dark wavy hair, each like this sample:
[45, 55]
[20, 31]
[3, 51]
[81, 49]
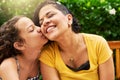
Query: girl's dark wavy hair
[75, 26]
[8, 35]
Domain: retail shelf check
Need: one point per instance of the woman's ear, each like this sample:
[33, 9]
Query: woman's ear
[19, 45]
[70, 19]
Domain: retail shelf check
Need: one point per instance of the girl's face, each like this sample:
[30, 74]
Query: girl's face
[53, 22]
[31, 33]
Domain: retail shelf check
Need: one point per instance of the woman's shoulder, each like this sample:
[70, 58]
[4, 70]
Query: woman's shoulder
[93, 37]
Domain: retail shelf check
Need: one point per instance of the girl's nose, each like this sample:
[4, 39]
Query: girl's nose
[38, 29]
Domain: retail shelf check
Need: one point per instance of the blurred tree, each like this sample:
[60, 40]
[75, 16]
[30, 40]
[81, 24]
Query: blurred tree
[10, 8]
[100, 17]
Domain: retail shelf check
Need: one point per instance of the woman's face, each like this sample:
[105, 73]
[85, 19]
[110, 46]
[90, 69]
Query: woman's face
[31, 33]
[53, 22]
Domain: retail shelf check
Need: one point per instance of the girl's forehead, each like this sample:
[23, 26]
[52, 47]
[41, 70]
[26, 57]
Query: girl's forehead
[23, 23]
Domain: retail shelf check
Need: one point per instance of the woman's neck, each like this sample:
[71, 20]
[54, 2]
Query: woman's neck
[70, 43]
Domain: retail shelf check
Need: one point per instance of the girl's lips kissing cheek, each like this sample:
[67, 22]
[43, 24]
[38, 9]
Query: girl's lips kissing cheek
[42, 36]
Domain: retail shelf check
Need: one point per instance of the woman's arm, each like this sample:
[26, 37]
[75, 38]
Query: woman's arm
[8, 70]
[48, 73]
[106, 70]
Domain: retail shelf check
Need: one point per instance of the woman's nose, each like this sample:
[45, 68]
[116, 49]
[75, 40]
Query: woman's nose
[46, 22]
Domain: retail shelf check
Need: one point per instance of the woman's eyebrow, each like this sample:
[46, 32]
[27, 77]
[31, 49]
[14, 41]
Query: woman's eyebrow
[46, 14]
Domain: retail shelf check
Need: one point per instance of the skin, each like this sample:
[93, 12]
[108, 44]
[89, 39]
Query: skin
[53, 29]
[30, 48]
[57, 27]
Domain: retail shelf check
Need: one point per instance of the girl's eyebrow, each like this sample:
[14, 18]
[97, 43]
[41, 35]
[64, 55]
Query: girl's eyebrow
[29, 26]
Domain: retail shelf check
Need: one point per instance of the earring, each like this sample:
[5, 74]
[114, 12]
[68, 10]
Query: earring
[69, 24]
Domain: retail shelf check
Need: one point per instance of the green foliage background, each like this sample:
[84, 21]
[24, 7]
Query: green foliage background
[93, 15]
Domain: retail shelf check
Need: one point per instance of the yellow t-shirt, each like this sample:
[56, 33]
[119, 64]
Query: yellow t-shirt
[98, 53]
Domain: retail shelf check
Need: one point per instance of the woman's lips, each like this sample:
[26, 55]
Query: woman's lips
[50, 29]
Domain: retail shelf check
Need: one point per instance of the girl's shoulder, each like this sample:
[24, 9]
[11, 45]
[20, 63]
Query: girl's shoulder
[8, 69]
[8, 63]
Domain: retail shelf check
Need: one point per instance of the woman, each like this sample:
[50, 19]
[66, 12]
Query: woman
[20, 45]
[73, 55]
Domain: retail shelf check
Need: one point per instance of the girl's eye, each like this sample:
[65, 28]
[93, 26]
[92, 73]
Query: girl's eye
[40, 22]
[31, 29]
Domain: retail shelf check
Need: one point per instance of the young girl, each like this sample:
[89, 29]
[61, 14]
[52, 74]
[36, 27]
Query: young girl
[20, 46]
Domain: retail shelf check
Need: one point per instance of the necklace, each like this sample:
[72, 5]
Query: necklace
[71, 60]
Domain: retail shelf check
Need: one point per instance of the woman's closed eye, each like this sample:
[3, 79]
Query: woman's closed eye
[50, 15]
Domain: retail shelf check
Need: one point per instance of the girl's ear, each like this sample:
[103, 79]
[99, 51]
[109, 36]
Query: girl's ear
[19, 45]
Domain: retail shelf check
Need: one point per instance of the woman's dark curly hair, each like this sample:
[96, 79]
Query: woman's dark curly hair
[75, 26]
[8, 35]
